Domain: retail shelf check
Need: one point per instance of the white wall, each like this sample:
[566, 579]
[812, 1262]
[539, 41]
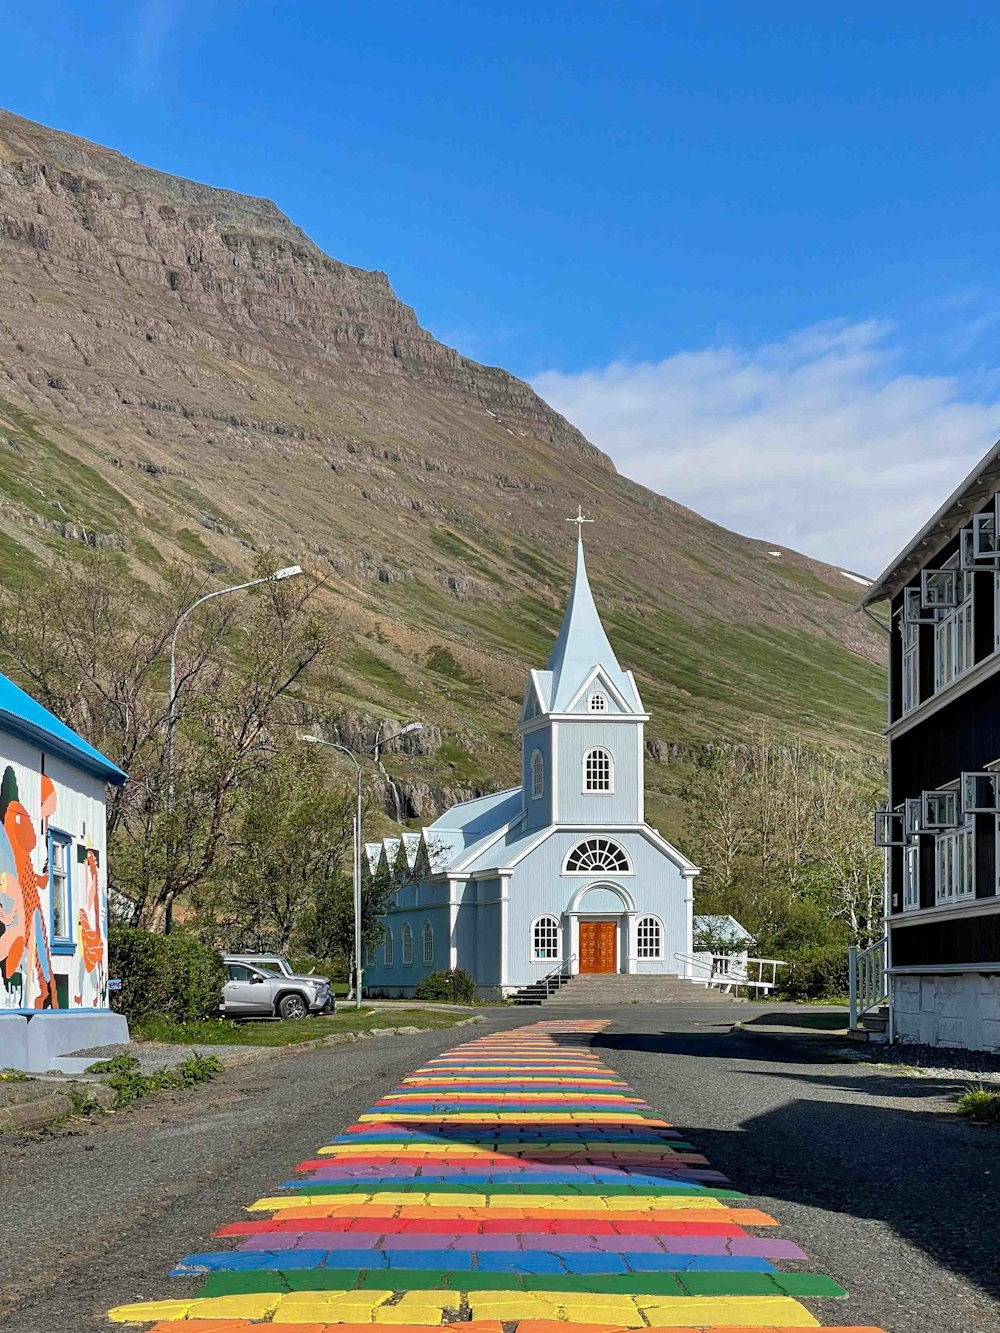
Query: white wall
[949, 1009]
[31, 953]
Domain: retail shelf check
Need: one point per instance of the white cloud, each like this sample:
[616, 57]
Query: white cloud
[818, 441]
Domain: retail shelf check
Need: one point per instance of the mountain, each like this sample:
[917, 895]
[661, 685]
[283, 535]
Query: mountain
[185, 375]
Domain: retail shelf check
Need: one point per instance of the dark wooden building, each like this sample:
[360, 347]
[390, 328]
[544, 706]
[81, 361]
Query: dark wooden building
[939, 600]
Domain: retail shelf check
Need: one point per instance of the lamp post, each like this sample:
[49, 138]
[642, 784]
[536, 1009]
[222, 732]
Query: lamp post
[359, 760]
[289, 572]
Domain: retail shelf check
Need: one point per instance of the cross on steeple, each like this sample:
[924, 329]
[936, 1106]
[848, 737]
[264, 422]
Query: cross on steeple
[579, 520]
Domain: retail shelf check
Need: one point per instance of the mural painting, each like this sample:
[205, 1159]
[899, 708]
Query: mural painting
[25, 957]
[91, 935]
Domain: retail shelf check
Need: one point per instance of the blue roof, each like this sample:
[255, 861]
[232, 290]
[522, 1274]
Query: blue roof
[27, 718]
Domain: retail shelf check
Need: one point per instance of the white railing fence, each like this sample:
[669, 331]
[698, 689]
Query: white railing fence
[731, 971]
[868, 979]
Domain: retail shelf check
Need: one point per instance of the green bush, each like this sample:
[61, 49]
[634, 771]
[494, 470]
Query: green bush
[815, 974]
[455, 985]
[172, 975]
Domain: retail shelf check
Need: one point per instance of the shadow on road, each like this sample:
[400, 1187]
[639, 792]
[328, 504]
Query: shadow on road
[932, 1178]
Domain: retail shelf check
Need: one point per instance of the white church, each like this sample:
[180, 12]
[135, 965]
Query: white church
[561, 874]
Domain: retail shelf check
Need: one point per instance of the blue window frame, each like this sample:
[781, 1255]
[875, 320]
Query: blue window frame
[60, 893]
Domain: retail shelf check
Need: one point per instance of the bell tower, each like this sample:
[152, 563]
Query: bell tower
[582, 723]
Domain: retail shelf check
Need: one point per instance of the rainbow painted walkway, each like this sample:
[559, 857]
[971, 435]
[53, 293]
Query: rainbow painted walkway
[513, 1185]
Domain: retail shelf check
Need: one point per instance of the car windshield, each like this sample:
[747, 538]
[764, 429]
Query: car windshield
[267, 969]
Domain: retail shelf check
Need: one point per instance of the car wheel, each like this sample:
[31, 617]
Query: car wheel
[292, 1006]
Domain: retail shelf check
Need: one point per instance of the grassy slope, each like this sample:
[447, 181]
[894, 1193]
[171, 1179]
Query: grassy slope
[167, 424]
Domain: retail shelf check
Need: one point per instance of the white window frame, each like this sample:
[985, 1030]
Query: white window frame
[60, 887]
[407, 944]
[955, 864]
[598, 702]
[587, 847]
[589, 762]
[955, 634]
[550, 924]
[388, 947]
[537, 775]
[427, 943]
[370, 955]
[643, 948]
[911, 877]
[911, 666]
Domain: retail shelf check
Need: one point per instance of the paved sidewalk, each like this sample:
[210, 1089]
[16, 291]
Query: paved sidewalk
[515, 1180]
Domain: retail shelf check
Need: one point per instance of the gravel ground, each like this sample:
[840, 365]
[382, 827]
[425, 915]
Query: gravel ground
[944, 1062]
[155, 1055]
[869, 1169]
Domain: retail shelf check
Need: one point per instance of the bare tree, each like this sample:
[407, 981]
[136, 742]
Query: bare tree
[98, 658]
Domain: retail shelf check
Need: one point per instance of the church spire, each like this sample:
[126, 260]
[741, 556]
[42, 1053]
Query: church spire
[583, 644]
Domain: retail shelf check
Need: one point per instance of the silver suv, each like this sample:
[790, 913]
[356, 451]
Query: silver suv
[255, 989]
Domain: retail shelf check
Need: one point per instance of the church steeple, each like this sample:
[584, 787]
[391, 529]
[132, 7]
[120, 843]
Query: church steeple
[583, 644]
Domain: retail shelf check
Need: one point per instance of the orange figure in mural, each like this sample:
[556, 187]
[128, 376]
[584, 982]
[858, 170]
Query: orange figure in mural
[24, 944]
[89, 936]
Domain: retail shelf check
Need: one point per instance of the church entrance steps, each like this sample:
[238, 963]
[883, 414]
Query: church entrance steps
[599, 989]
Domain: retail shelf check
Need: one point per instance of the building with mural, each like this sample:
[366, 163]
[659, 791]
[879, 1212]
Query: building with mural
[53, 888]
[560, 875]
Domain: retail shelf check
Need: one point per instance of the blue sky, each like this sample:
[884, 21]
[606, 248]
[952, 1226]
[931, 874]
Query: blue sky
[750, 249]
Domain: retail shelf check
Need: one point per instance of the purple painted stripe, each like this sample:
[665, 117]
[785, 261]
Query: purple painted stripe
[762, 1247]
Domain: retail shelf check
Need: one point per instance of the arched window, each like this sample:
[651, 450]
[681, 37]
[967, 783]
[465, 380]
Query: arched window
[537, 775]
[387, 945]
[369, 955]
[428, 934]
[598, 702]
[545, 938]
[649, 938]
[596, 855]
[407, 944]
[598, 770]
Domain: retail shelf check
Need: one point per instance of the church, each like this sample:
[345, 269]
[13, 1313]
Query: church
[561, 875]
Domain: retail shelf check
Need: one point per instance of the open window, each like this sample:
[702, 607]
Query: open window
[985, 544]
[912, 811]
[939, 811]
[939, 588]
[979, 793]
[889, 830]
[914, 611]
[968, 561]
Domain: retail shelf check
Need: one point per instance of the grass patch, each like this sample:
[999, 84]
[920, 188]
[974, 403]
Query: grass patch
[980, 1104]
[284, 1031]
[376, 672]
[131, 1086]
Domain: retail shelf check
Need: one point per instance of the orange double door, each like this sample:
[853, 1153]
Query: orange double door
[598, 946]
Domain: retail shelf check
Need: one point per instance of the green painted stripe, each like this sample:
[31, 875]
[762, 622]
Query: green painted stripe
[805, 1286]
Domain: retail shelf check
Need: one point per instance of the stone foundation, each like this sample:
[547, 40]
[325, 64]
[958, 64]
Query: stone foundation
[949, 1009]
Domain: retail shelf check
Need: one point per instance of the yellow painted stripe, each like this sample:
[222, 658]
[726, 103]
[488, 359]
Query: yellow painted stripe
[348, 1203]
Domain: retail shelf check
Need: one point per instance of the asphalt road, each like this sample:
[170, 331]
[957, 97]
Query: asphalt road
[870, 1172]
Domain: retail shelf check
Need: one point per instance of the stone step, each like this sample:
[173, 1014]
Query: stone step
[620, 989]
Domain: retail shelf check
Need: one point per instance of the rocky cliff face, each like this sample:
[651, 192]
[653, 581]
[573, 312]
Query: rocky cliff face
[184, 374]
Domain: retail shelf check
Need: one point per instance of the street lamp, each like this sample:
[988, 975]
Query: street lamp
[289, 572]
[359, 760]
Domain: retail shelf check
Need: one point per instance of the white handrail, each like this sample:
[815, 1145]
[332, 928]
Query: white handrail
[867, 979]
[728, 970]
[564, 970]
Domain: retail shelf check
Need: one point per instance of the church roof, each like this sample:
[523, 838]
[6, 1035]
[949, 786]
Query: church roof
[581, 646]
